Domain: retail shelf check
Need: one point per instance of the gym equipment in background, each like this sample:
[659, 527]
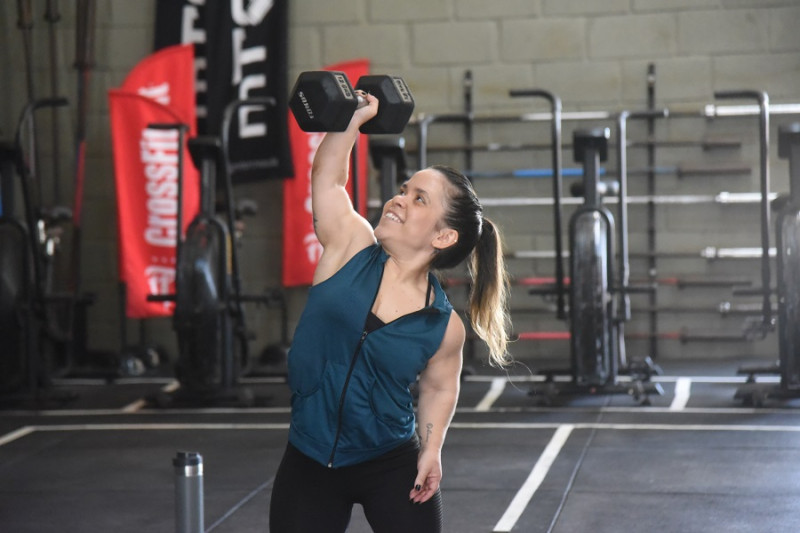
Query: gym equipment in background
[52, 16]
[591, 242]
[558, 184]
[323, 100]
[27, 247]
[787, 244]
[759, 328]
[596, 333]
[389, 157]
[84, 62]
[209, 318]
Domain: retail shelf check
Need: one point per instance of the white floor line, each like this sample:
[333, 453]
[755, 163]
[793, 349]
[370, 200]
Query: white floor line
[638, 409]
[27, 430]
[498, 385]
[729, 380]
[153, 411]
[683, 389]
[16, 434]
[626, 427]
[535, 478]
[161, 427]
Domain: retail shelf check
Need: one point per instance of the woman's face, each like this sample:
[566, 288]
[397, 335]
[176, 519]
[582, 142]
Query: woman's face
[415, 215]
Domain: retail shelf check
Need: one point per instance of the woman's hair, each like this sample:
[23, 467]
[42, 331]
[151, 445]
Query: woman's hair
[480, 240]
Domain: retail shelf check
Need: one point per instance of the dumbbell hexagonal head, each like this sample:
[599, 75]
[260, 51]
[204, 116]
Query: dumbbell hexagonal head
[395, 103]
[323, 100]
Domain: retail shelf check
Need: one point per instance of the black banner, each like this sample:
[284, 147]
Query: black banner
[240, 52]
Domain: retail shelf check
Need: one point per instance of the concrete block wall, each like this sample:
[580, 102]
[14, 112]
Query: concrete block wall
[594, 55]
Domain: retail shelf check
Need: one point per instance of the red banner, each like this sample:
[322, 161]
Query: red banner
[301, 249]
[167, 77]
[160, 89]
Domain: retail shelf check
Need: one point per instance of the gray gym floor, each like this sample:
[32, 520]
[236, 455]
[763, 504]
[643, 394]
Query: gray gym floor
[694, 460]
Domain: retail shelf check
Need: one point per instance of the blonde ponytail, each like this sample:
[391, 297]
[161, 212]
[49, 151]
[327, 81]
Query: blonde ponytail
[488, 297]
[480, 241]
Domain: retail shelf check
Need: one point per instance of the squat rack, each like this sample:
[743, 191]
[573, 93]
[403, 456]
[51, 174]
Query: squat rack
[763, 109]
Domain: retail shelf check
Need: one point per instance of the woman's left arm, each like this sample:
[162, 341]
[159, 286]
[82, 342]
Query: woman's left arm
[438, 393]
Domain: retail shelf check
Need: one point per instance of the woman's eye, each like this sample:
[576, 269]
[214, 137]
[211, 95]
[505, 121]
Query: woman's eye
[420, 199]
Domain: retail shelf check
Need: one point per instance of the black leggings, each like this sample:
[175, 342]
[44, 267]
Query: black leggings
[310, 498]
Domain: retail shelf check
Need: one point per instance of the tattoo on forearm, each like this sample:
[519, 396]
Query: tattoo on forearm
[429, 428]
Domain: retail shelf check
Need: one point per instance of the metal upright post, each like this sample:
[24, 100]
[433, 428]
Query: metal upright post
[555, 150]
[652, 264]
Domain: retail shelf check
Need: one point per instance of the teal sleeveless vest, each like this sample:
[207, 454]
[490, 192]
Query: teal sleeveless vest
[350, 388]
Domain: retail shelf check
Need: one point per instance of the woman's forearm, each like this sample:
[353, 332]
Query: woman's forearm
[435, 411]
[332, 159]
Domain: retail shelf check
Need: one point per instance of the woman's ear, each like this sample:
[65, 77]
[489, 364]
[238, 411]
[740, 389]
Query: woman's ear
[445, 238]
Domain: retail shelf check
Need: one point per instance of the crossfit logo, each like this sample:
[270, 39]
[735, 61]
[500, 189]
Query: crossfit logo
[159, 156]
[159, 93]
[160, 280]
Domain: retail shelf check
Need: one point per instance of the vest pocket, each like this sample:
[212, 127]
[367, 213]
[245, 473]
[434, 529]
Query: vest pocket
[387, 409]
[314, 408]
[305, 380]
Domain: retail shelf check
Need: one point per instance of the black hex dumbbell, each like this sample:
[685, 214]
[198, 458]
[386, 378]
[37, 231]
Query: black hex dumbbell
[325, 101]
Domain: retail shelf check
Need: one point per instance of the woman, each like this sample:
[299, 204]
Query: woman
[375, 320]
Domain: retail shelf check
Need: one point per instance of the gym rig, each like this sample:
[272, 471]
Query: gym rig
[599, 269]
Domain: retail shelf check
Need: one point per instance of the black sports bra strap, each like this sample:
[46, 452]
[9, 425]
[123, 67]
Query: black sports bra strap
[428, 292]
[373, 322]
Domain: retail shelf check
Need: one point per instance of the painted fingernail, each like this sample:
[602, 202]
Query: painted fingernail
[418, 487]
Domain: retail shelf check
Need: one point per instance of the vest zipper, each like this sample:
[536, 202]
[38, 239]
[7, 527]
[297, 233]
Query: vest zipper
[344, 393]
[364, 333]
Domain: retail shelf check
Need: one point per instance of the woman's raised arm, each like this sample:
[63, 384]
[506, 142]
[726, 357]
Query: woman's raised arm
[339, 228]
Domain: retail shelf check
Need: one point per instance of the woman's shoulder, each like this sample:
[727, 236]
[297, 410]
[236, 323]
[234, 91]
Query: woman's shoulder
[455, 328]
[455, 334]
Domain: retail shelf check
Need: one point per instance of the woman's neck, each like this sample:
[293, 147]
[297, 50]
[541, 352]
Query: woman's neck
[411, 272]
